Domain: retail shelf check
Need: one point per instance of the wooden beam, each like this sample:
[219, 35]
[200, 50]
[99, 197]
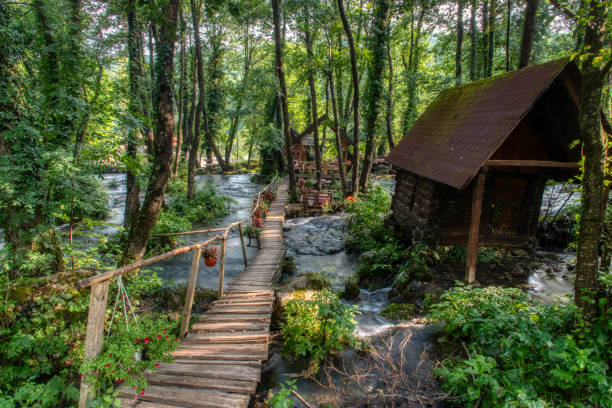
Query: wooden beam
[222, 268]
[531, 163]
[94, 335]
[193, 277]
[472, 245]
[244, 254]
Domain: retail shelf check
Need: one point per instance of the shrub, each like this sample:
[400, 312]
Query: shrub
[316, 328]
[378, 266]
[351, 288]
[128, 353]
[281, 399]
[316, 281]
[399, 311]
[365, 230]
[522, 353]
[206, 205]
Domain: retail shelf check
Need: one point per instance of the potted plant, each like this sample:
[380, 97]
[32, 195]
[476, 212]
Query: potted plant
[210, 255]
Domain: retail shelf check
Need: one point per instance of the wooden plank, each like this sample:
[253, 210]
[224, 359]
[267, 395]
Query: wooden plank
[219, 355]
[193, 277]
[531, 163]
[248, 293]
[251, 309]
[131, 402]
[243, 337]
[472, 246]
[241, 387]
[244, 317]
[228, 326]
[188, 397]
[250, 363]
[94, 335]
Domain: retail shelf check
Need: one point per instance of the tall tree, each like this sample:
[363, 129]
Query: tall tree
[389, 108]
[132, 201]
[529, 28]
[355, 78]
[313, 99]
[146, 217]
[491, 42]
[473, 42]
[595, 63]
[374, 86]
[458, 67]
[181, 94]
[200, 111]
[280, 72]
[508, 17]
[485, 37]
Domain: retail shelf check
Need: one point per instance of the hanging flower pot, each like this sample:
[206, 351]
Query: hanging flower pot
[210, 255]
[302, 181]
[257, 221]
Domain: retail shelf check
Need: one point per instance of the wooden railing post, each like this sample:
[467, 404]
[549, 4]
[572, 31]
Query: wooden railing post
[193, 277]
[95, 333]
[222, 266]
[244, 254]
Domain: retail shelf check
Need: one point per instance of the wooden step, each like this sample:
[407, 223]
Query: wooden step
[229, 326]
[250, 363]
[132, 402]
[229, 317]
[240, 309]
[188, 397]
[190, 381]
[242, 337]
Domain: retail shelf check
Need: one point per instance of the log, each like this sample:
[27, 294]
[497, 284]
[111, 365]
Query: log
[531, 163]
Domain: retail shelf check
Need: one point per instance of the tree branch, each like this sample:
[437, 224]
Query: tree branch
[563, 8]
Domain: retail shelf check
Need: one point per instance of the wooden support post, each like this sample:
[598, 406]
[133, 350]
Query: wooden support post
[244, 254]
[472, 245]
[95, 333]
[222, 267]
[193, 277]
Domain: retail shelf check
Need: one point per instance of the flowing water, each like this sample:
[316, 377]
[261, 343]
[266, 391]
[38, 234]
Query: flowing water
[238, 187]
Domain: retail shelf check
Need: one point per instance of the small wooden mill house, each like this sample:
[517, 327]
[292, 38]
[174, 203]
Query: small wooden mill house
[474, 166]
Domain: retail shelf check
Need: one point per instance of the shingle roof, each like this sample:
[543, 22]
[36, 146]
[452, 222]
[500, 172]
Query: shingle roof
[466, 124]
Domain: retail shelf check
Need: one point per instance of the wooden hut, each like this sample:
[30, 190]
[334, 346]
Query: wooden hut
[474, 166]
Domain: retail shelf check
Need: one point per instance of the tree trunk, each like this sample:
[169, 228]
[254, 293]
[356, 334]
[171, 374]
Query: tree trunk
[508, 15]
[492, 15]
[313, 104]
[378, 45]
[485, 37]
[332, 91]
[132, 203]
[458, 67]
[529, 27]
[473, 43]
[594, 145]
[280, 72]
[355, 77]
[181, 97]
[389, 113]
[145, 219]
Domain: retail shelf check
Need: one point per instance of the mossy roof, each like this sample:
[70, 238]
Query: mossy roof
[462, 128]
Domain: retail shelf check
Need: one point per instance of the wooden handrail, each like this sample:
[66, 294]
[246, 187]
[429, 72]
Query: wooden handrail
[84, 283]
[171, 234]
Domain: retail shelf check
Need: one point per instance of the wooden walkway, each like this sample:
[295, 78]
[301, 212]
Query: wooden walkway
[218, 363]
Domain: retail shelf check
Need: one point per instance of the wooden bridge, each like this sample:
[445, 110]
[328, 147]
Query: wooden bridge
[218, 363]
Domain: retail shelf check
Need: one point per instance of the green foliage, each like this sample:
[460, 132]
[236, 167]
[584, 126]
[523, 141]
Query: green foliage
[315, 328]
[377, 267]
[351, 288]
[281, 399]
[317, 281]
[39, 350]
[206, 205]
[399, 311]
[365, 230]
[522, 353]
[128, 353]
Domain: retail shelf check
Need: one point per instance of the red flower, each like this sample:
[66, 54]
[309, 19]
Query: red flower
[176, 339]
[156, 364]
[350, 198]
[112, 371]
[137, 340]
[107, 365]
[82, 375]
[164, 331]
[110, 354]
[166, 336]
[120, 380]
[159, 336]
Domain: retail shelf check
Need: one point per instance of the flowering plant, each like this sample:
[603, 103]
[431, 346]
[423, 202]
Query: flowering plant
[210, 252]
